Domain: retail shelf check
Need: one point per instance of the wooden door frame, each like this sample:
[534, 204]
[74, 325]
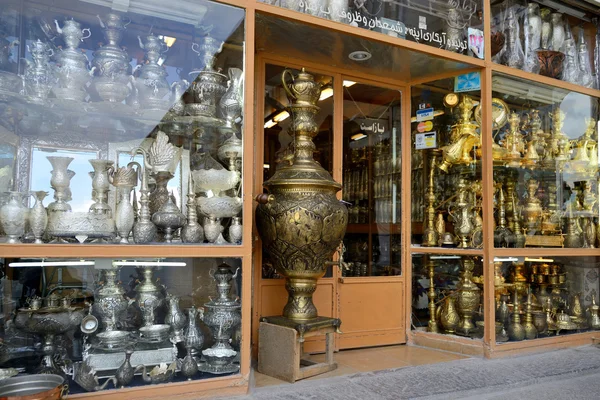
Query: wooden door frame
[338, 74]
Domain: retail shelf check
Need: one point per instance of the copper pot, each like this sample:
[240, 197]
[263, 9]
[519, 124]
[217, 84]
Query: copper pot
[34, 387]
[551, 63]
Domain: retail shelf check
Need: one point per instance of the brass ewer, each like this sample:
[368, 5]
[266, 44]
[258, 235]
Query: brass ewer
[300, 221]
[469, 296]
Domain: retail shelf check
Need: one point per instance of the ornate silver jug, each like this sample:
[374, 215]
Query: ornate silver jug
[149, 296]
[12, 217]
[38, 77]
[110, 301]
[232, 101]
[168, 219]
[175, 318]
[194, 339]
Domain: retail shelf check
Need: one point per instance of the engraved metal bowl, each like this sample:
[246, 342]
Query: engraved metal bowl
[216, 180]
[219, 357]
[155, 333]
[196, 109]
[219, 207]
[113, 337]
[73, 224]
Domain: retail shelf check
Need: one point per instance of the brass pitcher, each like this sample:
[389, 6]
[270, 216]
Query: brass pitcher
[303, 90]
[594, 317]
[449, 317]
[300, 221]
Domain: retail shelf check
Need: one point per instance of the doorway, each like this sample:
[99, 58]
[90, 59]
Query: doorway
[360, 144]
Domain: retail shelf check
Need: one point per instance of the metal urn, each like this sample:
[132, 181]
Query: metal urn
[223, 316]
[72, 65]
[300, 221]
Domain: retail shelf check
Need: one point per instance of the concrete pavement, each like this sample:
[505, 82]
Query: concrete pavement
[563, 374]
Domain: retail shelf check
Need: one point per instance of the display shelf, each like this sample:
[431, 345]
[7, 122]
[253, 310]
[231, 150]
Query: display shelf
[115, 250]
[415, 249]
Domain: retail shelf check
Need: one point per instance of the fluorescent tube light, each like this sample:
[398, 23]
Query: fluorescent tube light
[506, 259]
[266, 166]
[539, 259]
[270, 123]
[326, 93]
[348, 83]
[282, 116]
[444, 257]
[43, 263]
[358, 136]
[149, 263]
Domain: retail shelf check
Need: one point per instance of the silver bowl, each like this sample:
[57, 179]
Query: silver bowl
[196, 109]
[113, 338]
[219, 207]
[157, 332]
[43, 386]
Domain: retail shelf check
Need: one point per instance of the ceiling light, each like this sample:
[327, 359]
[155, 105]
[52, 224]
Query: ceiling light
[283, 115]
[506, 259]
[539, 259]
[444, 257]
[266, 166]
[359, 55]
[270, 123]
[326, 93]
[43, 263]
[149, 263]
[349, 83]
[169, 41]
[358, 136]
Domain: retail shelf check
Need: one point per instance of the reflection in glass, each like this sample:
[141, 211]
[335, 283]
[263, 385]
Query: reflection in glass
[448, 294]
[539, 297]
[545, 167]
[446, 167]
[372, 166]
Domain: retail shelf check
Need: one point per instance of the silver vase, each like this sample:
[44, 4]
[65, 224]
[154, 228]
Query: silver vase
[235, 230]
[12, 217]
[101, 185]
[232, 101]
[212, 229]
[144, 230]
[194, 339]
[175, 318]
[192, 232]
[60, 181]
[38, 216]
[124, 215]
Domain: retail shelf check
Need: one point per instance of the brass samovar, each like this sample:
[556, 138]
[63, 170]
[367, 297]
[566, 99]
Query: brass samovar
[300, 221]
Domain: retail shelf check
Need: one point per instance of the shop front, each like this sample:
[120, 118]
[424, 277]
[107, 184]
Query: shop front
[135, 137]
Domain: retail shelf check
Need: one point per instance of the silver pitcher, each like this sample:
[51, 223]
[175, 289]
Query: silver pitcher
[38, 77]
[175, 318]
[232, 102]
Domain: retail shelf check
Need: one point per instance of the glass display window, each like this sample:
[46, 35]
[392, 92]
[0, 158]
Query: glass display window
[448, 294]
[121, 126]
[446, 191]
[107, 323]
[539, 297]
[455, 26]
[372, 183]
[545, 152]
[548, 38]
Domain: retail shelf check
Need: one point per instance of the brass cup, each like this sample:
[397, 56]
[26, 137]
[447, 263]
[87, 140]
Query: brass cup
[545, 269]
[540, 278]
[534, 269]
[555, 269]
[553, 279]
[562, 278]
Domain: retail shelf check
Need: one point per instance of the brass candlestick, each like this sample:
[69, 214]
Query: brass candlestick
[503, 236]
[513, 142]
[432, 326]
[430, 234]
[533, 208]
[558, 143]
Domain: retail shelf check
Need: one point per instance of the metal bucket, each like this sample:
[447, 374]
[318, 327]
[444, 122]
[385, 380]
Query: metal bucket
[33, 387]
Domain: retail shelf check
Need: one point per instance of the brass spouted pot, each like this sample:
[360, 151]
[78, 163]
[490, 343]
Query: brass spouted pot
[303, 90]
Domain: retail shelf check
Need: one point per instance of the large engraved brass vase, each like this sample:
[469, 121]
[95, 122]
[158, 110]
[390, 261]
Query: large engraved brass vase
[301, 222]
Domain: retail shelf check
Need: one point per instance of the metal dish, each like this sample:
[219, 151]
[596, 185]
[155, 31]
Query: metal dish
[33, 387]
[89, 324]
[113, 338]
[157, 332]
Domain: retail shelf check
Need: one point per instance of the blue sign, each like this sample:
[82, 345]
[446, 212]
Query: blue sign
[425, 114]
[467, 82]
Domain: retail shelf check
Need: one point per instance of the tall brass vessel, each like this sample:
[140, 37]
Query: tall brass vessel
[300, 221]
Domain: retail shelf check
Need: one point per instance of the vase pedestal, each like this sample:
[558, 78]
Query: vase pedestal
[280, 345]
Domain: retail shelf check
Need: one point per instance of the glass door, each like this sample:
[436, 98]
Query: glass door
[371, 288]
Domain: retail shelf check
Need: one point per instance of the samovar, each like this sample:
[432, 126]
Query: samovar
[533, 208]
[209, 85]
[152, 82]
[112, 62]
[469, 296]
[38, 77]
[300, 221]
[72, 65]
[110, 301]
[464, 137]
[149, 296]
[461, 213]
[222, 315]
